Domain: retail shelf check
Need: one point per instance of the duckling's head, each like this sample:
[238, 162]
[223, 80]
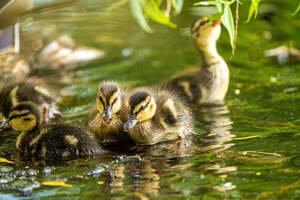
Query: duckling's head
[205, 32]
[142, 106]
[24, 117]
[108, 100]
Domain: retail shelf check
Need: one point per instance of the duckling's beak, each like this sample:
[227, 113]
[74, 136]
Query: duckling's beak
[130, 123]
[107, 114]
[5, 125]
[217, 22]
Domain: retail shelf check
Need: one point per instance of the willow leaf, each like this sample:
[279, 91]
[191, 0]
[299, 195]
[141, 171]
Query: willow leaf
[228, 22]
[220, 9]
[4, 160]
[157, 15]
[206, 3]
[56, 183]
[177, 5]
[253, 10]
[137, 11]
[297, 10]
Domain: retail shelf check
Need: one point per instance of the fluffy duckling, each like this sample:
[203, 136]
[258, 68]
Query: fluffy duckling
[111, 112]
[49, 142]
[157, 116]
[210, 83]
[12, 94]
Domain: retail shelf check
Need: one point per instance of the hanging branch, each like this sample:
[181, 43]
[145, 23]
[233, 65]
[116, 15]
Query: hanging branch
[236, 28]
[168, 8]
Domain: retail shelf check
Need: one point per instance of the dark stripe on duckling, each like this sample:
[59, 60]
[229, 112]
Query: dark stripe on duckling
[64, 141]
[14, 93]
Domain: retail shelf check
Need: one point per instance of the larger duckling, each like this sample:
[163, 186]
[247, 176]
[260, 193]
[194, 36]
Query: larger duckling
[157, 116]
[111, 112]
[12, 94]
[49, 142]
[210, 83]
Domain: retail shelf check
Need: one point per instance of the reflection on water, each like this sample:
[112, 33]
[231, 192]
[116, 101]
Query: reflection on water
[201, 166]
[214, 119]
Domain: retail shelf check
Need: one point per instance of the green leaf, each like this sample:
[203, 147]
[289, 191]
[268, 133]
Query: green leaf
[177, 5]
[253, 10]
[137, 11]
[227, 20]
[56, 183]
[206, 3]
[297, 10]
[220, 9]
[157, 15]
[4, 160]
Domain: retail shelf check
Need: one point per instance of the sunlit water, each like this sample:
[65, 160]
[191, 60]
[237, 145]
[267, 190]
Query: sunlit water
[246, 149]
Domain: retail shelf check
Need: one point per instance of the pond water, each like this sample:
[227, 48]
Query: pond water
[246, 149]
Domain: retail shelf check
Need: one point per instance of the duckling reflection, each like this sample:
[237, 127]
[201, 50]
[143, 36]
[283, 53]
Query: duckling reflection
[149, 180]
[117, 179]
[215, 121]
[210, 83]
[143, 178]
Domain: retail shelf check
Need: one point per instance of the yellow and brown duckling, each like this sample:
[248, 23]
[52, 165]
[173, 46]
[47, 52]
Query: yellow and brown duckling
[12, 94]
[157, 116]
[48, 142]
[111, 112]
[210, 83]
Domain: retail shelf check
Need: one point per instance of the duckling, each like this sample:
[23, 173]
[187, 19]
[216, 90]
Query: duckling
[210, 83]
[49, 142]
[12, 94]
[111, 112]
[157, 116]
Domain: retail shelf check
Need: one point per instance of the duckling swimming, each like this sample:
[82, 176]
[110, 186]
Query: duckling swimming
[12, 94]
[49, 142]
[210, 84]
[111, 112]
[157, 116]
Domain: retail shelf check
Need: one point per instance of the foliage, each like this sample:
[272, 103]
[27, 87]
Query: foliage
[297, 10]
[157, 10]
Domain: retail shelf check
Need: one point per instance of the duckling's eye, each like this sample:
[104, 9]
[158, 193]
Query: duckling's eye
[27, 119]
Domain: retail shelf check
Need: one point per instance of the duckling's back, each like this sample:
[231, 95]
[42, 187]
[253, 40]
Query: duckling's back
[173, 114]
[205, 85]
[64, 141]
[171, 121]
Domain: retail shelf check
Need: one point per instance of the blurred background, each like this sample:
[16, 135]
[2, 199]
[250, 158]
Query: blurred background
[246, 149]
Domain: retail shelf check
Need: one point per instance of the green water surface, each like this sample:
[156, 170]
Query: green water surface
[222, 161]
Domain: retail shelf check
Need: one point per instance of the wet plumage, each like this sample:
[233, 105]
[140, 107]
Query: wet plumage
[51, 141]
[107, 119]
[11, 94]
[157, 116]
